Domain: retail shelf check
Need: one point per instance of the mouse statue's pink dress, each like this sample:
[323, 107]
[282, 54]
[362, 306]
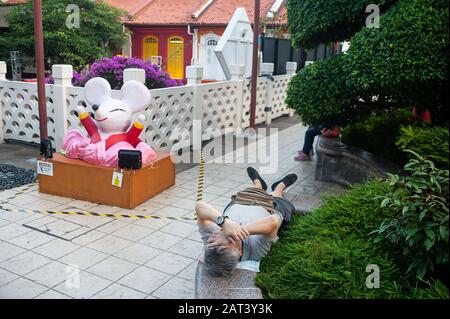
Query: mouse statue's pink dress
[104, 152]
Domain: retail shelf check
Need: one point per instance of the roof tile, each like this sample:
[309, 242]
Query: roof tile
[180, 12]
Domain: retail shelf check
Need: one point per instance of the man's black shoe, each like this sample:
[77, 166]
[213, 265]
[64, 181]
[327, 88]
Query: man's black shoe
[288, 180]
[254, 175]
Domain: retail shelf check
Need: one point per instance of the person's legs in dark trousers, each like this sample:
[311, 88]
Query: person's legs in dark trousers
[282, 205]
[311, 133]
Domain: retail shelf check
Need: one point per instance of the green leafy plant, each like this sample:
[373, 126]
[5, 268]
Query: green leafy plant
[419, 227]
[429, 142]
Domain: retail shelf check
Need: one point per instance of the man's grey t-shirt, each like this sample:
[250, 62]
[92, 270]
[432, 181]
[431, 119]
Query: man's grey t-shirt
[255, 246]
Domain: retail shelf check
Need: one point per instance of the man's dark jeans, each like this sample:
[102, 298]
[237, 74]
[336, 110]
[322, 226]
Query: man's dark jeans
[310, 134]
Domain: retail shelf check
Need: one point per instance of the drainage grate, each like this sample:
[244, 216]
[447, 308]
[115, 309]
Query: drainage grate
[61, 228]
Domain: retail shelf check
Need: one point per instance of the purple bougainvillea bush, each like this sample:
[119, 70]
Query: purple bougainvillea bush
[112, 70]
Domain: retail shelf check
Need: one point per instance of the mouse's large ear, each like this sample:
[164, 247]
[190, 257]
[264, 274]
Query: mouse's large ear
[135, 95]
[97, 91]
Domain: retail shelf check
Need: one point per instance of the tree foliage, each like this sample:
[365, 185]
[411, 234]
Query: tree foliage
[403, 63]
[320, 93]
[407, 57]
[100, 30]
[312, 22]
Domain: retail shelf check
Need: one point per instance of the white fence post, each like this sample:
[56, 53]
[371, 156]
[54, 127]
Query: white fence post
[267, 69]
[62, 74]
[3, 71]
[291, 69]
[134, 74]
[237, 74]
[194, 75]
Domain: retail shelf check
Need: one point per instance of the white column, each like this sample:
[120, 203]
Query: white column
[134, 74]
[267, 68]
[62, 74]
[3, 70]
[291, 68]
[194, 75]
[195, 57]
[2, 78]
[126, 47]
[237, 72]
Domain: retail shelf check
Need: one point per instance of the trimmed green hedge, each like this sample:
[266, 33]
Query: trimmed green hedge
[312, 22]
[320, 95]
[378, 134]
[404, 63]
[407, 57]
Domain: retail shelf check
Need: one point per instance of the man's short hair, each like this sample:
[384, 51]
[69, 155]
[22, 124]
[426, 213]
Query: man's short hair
[221, 262]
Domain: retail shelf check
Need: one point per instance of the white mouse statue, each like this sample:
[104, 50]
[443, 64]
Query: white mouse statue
[112, 130]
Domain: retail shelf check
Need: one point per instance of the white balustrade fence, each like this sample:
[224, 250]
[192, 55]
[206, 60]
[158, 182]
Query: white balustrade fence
[177, 116]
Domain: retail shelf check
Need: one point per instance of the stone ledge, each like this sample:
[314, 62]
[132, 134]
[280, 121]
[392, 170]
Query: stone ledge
[240, 285]
[347, 165]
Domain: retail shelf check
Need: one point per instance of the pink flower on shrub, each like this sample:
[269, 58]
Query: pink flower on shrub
[112, 70]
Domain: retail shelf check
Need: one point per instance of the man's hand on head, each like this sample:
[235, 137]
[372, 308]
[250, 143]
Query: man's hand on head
[218, 239]
[234, 231]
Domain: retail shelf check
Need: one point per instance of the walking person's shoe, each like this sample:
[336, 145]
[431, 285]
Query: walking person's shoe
[302, 157]
[288, 180]
[254, 175]
[311, 152]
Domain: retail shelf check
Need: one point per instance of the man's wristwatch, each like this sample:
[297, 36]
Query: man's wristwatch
[221, 220]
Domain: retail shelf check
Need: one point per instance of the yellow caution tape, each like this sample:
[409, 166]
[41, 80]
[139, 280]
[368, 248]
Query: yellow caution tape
[87, 213]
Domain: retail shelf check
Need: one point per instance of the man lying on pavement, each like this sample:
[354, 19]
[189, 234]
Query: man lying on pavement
[248, 226]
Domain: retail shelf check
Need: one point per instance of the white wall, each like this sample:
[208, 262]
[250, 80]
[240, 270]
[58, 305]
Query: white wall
[192, 110]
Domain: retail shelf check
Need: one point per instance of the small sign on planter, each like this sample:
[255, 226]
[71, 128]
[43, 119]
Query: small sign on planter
[117, 179]
[45, 168]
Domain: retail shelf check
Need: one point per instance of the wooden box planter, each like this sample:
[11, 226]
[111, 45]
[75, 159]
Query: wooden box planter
[79, 180]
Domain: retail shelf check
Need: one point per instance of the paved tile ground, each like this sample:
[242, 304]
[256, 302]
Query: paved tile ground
[96, 257]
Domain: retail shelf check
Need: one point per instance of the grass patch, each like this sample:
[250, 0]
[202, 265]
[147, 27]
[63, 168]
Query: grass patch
[325, 254]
